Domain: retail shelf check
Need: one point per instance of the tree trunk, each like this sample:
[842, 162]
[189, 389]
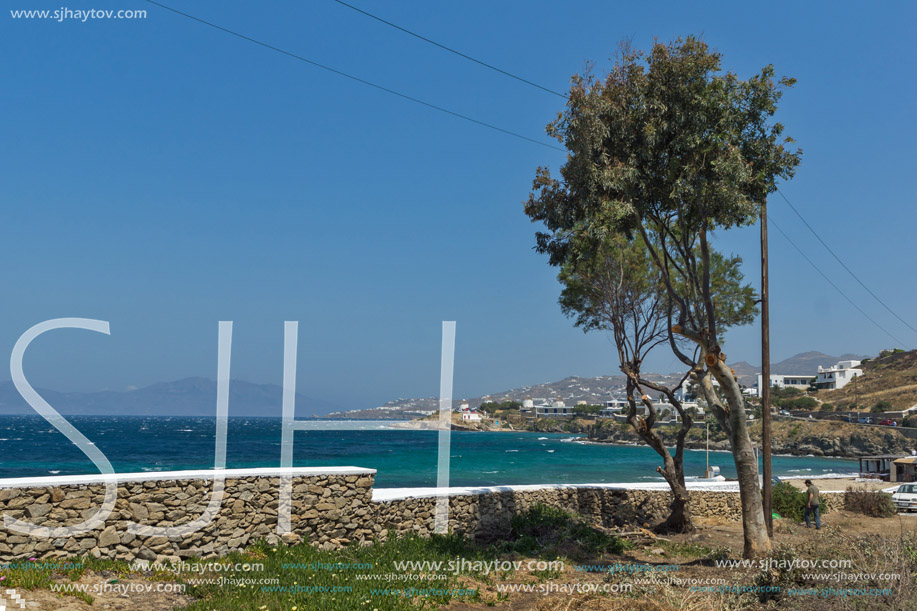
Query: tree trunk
[754, 527]
[680, 519]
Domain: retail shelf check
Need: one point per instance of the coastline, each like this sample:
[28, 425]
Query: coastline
[843, 443]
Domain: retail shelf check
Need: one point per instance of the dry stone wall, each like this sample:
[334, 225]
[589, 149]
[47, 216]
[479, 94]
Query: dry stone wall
[488, 515]
[331, 508]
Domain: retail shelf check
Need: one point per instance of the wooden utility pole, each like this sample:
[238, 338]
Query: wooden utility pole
[766, 381]
[856, 395]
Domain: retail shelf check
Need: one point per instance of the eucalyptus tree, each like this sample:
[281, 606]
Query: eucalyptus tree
[670, 148]
[608, 289]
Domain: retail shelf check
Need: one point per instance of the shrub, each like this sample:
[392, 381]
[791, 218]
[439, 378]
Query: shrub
[801, 403]
[790, 502]
[881, 406]
[872, 503]
[542, 527]
[827, 407]
[784, 393]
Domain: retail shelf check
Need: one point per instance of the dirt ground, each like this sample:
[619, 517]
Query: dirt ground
[712, 533]
[124, 595]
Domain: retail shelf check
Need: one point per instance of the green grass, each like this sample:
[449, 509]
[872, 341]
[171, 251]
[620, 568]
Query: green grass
[360, 593]
[29, 575]
[542, 532]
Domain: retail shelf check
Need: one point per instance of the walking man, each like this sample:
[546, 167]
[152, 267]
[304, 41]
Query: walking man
[812, 505]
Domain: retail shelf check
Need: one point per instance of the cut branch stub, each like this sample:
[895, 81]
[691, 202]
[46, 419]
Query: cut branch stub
[710, 359]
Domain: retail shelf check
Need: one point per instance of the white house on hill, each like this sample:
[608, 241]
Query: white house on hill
[785, 380]
[557, 409]
[837, 376]
[613, 407]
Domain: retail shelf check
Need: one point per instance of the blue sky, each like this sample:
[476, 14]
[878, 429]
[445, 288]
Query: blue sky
[163, 175]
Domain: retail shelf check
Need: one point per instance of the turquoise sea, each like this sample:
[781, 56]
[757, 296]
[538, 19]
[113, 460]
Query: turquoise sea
[29, 446]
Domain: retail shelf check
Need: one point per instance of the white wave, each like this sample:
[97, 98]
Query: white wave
[53, 472]
[512, 450]
[542, 438]
[550, 451]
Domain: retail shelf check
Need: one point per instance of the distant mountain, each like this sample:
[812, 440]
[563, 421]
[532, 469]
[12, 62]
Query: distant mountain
[746, 372]
[187, 397]
[809, 362]
[197, 396]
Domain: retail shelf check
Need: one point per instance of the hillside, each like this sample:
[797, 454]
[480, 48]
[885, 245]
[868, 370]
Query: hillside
[891, 378]
[571, 389]
[798, 438]
[594, 391]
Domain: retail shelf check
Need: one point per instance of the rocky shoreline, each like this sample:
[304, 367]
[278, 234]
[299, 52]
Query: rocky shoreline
[790, 438]
[842, 445]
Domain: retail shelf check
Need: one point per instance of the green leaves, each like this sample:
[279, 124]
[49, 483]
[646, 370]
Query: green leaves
[670, 147]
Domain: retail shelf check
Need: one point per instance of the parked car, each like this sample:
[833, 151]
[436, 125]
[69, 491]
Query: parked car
[866, 420]
[783, 412]
[888, 423]
[905, 497]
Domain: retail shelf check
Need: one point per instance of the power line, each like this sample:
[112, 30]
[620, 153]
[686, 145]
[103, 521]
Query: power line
[849, 271]
[450, 50]
[518, 78]
[836, 288]
[522, 137]
[357, 79]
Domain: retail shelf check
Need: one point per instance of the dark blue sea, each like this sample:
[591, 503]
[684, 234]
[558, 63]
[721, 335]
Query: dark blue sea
[29, 446]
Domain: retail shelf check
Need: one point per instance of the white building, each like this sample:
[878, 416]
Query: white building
[837, 376]
[785, 380]
[557, 409]
[463, 406]
[470, 416]
[665, 411]
[613, 408]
